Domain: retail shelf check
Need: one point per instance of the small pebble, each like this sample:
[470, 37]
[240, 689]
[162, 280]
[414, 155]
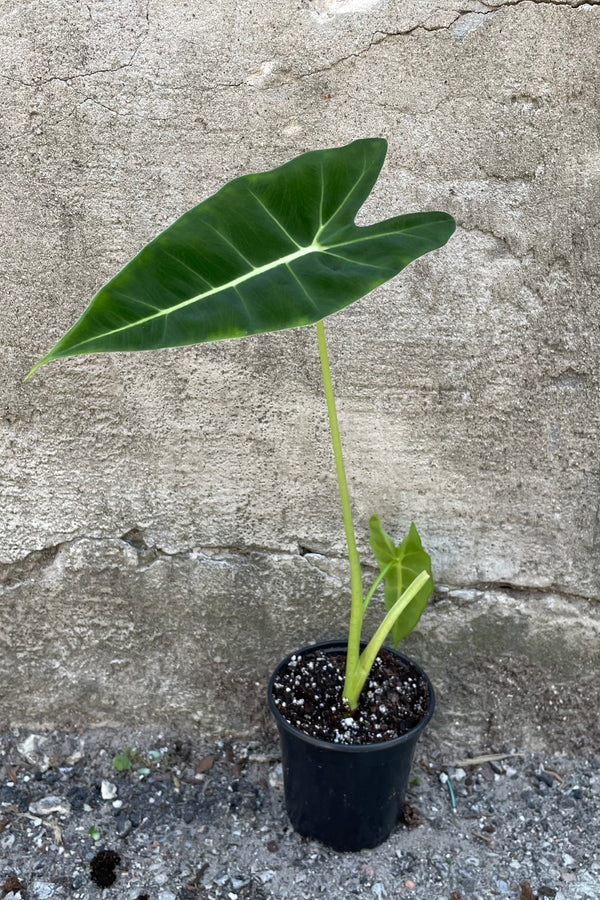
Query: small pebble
[32, 750]
[48, 805]
[276, 776]
[108, 790]
[42, 890]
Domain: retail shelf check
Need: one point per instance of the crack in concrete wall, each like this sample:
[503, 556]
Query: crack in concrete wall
[75, 76]
[327, 9]
[572, 4]
[33, 567]
[29, 568]
[273, 76]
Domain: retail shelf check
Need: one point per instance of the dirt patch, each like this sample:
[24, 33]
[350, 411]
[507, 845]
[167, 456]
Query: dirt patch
[103, 868]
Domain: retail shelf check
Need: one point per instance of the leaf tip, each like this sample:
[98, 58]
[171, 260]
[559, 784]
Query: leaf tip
[37, 366]
[413, 533]
[451, 222]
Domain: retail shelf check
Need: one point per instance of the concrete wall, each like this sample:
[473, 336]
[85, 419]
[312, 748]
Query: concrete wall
[170, 523]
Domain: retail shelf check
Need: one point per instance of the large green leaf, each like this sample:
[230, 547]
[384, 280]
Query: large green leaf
[268, 251]
[404, 563]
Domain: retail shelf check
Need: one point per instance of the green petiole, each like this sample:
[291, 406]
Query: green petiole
[356, 610]
[356, 678]
[375, 585]
[358, 665]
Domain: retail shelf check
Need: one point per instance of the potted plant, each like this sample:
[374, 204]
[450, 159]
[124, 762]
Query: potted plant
[279, 250]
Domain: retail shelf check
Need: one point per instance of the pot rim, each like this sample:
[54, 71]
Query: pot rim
[350, 748]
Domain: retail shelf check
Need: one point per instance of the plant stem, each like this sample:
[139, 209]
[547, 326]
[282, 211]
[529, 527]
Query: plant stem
[359, 675]
[376, 584]
[356, 612]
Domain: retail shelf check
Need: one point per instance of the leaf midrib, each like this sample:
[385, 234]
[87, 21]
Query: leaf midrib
[233, 284]
[254, 271]
[315, 247]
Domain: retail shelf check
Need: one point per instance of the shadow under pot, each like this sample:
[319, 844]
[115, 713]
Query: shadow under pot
[349, 796]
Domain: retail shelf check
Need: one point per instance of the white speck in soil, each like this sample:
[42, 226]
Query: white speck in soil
[396, 702]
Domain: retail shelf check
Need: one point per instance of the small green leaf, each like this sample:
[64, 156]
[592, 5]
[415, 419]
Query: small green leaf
[409, 560]
[94, 833]
[122, 762]
[381, 543]
[143, 773]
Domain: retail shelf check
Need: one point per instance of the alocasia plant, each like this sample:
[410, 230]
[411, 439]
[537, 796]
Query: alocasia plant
[270, 251]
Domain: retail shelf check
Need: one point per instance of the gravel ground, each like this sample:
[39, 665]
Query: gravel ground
[187, 819]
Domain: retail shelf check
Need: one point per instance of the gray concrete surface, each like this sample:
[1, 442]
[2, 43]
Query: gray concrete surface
[222, 833]
[157, 509]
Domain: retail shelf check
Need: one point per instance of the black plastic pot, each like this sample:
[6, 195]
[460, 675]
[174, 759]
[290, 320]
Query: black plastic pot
[347, 796]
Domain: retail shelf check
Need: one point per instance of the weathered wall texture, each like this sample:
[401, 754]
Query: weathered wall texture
[167, 518]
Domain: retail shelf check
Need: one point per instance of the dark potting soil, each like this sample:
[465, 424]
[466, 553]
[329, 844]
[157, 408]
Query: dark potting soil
[308, 694]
